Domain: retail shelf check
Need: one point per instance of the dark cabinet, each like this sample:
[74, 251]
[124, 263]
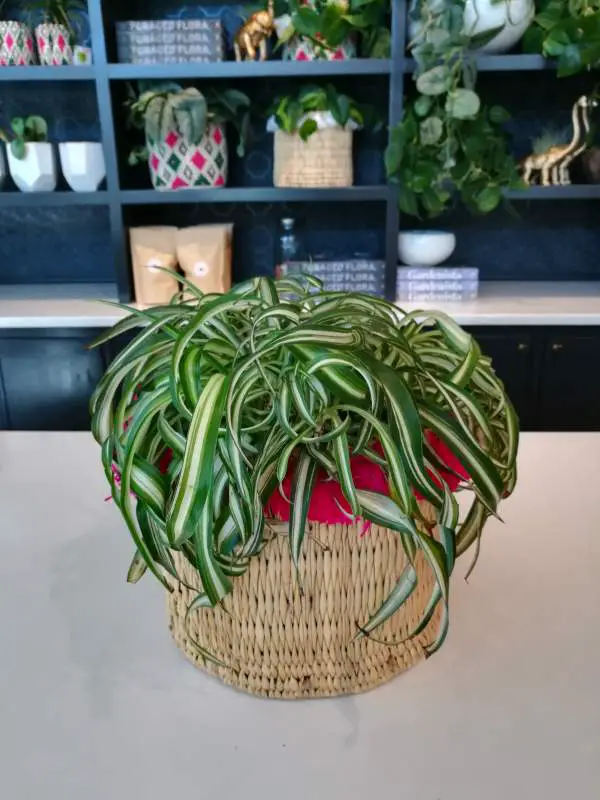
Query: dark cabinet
[551, 375]
[570, 383]
[514, 358]
[47, 379]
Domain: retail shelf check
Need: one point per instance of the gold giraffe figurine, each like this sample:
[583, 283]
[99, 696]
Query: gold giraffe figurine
[254, 34]
[552, 166]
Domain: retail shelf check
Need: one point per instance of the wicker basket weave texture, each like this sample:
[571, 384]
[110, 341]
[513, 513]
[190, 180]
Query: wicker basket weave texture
[325, 159]
[279, 642]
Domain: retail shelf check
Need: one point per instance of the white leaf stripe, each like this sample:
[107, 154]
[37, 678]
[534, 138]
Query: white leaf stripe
[474, 461]
[214, 581]
[397, 597]
[196, 474]
[302, 486]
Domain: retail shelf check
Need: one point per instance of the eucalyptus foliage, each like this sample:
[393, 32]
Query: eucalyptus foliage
[448, 143]
[241, 387]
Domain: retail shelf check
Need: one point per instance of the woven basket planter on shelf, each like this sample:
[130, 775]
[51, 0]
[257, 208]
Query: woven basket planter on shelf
[301, 49]
[177, 164]
[53, 44]
[280, 643]
[324, 159]
[16, 45]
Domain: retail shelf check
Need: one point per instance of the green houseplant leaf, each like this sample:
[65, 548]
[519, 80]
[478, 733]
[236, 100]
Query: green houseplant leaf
[275, 379]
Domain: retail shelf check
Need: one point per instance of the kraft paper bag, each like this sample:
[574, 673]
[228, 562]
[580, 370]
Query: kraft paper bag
[151, 248]
[204, 255]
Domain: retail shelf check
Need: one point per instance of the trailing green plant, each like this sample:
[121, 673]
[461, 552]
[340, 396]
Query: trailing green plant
[329, 22]
[447, 142]
[295, 113]
[58, 12]
[158, 108]
[275, 375]
[24, 130]
[567, 30]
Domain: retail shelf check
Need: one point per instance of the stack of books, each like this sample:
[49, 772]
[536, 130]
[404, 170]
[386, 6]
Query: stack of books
[417, 284]
[352, 275]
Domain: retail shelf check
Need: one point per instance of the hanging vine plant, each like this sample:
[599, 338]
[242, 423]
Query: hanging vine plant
[448, 143]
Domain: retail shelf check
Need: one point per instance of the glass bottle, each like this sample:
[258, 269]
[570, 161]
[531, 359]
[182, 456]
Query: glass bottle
[289, 249]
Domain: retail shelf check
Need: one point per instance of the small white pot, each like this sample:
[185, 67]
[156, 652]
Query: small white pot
[2, 167]
[485, 15]
[37, 171]
[425, 248]
[82, 164]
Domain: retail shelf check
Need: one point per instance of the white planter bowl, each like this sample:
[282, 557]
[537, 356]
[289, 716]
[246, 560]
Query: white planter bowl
[425, 248]
[37, 171]
[82, 164]
[485, 15]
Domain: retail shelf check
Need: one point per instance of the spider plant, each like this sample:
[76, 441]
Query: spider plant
[241, 387]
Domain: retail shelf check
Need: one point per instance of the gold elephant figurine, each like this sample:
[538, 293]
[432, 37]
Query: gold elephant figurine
[252, 37]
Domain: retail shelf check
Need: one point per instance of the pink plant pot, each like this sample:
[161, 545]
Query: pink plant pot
[176, 164]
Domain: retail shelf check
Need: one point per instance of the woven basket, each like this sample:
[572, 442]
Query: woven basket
[279, 643]
[325, 159]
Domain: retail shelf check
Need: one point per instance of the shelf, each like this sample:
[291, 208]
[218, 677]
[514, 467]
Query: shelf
[583, 191]
[521, 62]
[251, 69]
[268, 194]
[69, 305]
[52, 199]
[499, 303]
[523, 303]
[37, 73]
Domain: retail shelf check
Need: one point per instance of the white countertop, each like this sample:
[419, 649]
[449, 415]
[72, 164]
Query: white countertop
[97, 702]
[499, 303]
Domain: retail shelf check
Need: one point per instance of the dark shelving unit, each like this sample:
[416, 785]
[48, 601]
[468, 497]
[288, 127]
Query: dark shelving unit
[108, 78]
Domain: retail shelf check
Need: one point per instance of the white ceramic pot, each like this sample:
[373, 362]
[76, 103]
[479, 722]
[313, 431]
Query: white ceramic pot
[82, 164]
[2, 167]
[425, 248]
[37, 171]
[485, 15]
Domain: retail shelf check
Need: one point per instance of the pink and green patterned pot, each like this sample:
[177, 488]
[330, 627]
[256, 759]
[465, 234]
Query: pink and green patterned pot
[16, 45]
[176, 164]
[300, 49]
[53, 44]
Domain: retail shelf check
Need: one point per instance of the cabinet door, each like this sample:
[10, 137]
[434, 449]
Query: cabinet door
[514, 360]
[48, 381]
[570, 391]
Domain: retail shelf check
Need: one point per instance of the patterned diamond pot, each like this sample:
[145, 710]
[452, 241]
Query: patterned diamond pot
[16, 45]
[300, 49]
[177, 164]
[53, 44]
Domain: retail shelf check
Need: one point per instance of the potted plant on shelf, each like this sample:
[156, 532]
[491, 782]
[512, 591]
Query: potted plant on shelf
[313, 136]
[16, 42]
[568, 32]
[329, 28]
[82, 165]
[499, 23]
[447, 142]
[55, 35]
[286, 462]
[186, 141]
[31, 158]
